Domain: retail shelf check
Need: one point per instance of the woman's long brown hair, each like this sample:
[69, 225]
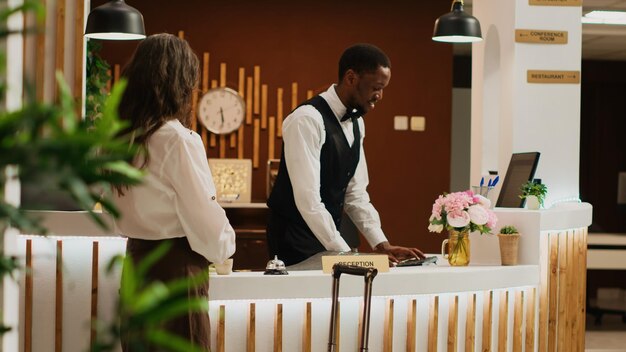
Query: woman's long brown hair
[161, 75]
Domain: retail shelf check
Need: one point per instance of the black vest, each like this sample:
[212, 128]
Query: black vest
[289, 237]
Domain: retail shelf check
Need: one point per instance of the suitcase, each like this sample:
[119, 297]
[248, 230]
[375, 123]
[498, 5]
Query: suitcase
[368, 274]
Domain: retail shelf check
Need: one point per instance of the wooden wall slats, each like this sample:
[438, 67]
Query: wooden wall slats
[236, 138]
[194, 106]
[264, 106]
[40, 55]
[561, 328]
[570, 310]
[28, 298]
[59, 47]
[271, 137]
[116, 73]
[257, 90]
[94, 290]
[294, 95]
[306, 329]
[433, 324]
[553, 263]
[58, 300]
[255, 143]
[181, 34]
[279, 112]
[213, 137]
[503, 322]
[221, 330]
[251, 332]
[411, 326]
[222, 74]
[278, 329]
[470, 324]
[487, 320]
[582, 286]
[205, 72]
[530, 319]
[518, 316]
[388, 326]
[249, 100]
[79, 40]
[309, 94]
[222, 146]
[453, 317]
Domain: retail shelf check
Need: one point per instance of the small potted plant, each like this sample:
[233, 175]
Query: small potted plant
[534, 192]
[509, 239]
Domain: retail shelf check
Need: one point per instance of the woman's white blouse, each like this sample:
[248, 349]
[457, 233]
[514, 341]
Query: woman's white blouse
[177, 196]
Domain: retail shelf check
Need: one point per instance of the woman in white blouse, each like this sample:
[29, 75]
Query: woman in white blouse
[176, 202]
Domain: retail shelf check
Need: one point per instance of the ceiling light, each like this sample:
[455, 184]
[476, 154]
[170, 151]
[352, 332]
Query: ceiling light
[457, 26]
[115, 21]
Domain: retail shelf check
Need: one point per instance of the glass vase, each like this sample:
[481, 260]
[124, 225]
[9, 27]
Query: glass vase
[458, 248]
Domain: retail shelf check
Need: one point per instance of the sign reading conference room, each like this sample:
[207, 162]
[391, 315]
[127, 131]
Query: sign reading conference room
[540, 36]
[539, 76]
[555, 2]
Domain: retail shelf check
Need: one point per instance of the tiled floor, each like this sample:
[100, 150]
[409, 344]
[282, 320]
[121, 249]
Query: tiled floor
[610, 336]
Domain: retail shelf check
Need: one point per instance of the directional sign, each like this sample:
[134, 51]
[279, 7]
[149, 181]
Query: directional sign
[540, 36]
[539, 76]
[555, 2]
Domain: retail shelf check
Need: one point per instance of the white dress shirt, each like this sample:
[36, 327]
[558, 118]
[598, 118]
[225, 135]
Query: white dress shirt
[177, 196]
[303, 137]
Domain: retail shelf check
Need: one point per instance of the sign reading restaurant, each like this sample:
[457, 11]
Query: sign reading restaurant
[538, 76]
[540, 36]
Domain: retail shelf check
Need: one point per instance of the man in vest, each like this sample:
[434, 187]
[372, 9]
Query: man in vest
[322, 169]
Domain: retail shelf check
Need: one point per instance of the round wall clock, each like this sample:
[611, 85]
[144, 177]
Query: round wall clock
[221, 110]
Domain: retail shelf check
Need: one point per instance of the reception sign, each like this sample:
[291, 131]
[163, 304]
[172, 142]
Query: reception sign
[539, 76]
[378, 261]
[540, 36]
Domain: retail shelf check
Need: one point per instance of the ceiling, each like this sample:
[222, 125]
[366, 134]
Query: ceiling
[599, 42]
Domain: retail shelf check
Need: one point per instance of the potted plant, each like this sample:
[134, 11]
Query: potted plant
[509, 243]
[534, 192]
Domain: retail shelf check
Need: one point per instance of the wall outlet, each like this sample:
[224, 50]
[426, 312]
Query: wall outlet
[418, 123]
[401, 123]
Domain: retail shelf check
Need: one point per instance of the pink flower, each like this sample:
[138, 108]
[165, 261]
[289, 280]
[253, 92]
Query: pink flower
[478, 214]
[459, 219]
[493, 219]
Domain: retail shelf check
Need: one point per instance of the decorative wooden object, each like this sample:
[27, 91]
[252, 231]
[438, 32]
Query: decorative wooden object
[530, 319]
[279, 112]
[255, 143]
[28, 298]
[294, 95]
[249, 100]
[553, 291]
[58, 301]
[181, 34]
[240, 131]
[517, 321]
[264, 106]
[79, 41]
[59, 47]
[116, 73]
[309, 94]
[411, 326]
[213, 138]
[503, 321]
[388, 326]
[40, 55]
[222, 74]
[433, 324]
[470, 323]
[251, 335]
[306, 329]
[205, 88]
[221, 329]
[453, 317]
[278, 329]
[271, 137]
[487, 320]
[94, 291]
[257, 89]
[194, 106]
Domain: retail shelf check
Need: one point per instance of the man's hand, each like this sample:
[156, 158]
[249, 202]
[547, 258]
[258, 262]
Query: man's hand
[397, 253]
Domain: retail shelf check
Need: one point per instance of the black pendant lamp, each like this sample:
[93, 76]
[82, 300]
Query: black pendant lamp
[115, 21]
[457, 26]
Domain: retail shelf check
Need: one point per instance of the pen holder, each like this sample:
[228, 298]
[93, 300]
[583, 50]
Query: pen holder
[485, 192]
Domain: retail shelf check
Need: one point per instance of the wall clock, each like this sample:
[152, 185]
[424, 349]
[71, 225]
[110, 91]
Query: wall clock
[221, 110]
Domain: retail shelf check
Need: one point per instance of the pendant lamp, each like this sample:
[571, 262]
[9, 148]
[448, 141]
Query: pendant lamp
[457, 26]
[115, 21]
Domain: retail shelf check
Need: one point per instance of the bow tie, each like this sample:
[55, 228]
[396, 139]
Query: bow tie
[351, 113]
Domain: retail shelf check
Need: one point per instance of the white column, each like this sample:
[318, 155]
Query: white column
[510, 115]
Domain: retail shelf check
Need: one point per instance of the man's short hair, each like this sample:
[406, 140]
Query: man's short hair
[362, 58]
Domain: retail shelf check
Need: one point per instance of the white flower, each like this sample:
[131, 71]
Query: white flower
[461, 220]
[435, 228]
[478, 214]
[483, 201]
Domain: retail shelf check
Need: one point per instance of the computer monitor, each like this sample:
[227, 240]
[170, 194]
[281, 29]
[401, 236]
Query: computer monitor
[521, 169]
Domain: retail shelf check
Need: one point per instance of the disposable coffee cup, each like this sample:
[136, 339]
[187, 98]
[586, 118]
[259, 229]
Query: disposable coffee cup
[224, 268]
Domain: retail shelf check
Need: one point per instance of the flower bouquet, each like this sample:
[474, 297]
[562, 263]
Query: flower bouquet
[461, 213]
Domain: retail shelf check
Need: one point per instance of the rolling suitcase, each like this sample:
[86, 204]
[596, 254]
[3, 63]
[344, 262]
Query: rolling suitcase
[368, 274]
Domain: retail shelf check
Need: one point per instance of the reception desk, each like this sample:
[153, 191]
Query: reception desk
[535, 306]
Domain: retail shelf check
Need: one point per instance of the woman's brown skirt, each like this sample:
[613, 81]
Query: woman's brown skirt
[179, 262]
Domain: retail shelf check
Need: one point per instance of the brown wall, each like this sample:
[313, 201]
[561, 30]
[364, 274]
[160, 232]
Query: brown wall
[301, 41]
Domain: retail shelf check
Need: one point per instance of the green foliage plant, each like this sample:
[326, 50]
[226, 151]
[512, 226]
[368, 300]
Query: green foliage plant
[98, 76]
[509, 230]
[536, 189]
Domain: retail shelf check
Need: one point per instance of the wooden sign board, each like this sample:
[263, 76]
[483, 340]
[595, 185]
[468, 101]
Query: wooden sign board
[378, 261]
[540, 36]
[555, 2]
[539, 76]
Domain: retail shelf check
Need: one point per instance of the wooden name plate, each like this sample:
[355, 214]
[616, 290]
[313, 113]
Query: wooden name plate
[555, 2]
[540, 36]
[538, 76]
[378, 261]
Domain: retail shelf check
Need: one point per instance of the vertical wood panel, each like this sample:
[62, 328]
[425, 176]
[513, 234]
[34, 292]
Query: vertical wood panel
[213, 137]
[194, 106]
[279, 112]
[470, 324]
[562, 293]
[181, 35]
[59, 41]
[278, 329]
[58, 301]
[306, 329]
[309, 94]
[257, 89]
[487, 320]
[453, 317]
[552, 290]
[264, 106]
[530, 319]
[517, 321]
[251, 333]
[411, 325]
[388, 326]
[28, 298]
[571, 295]
[433, 324]
[116, 73]
[503, 322]
[249, 100]
[294, 95]
[221, 330]
[582, 250]
[271, 138]
[79, 40]
[40, 55]
[222, 146]
[94, 291]
[544, 293]
[205, 88]
[255, 143]
[222, 74]
[237, 137]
